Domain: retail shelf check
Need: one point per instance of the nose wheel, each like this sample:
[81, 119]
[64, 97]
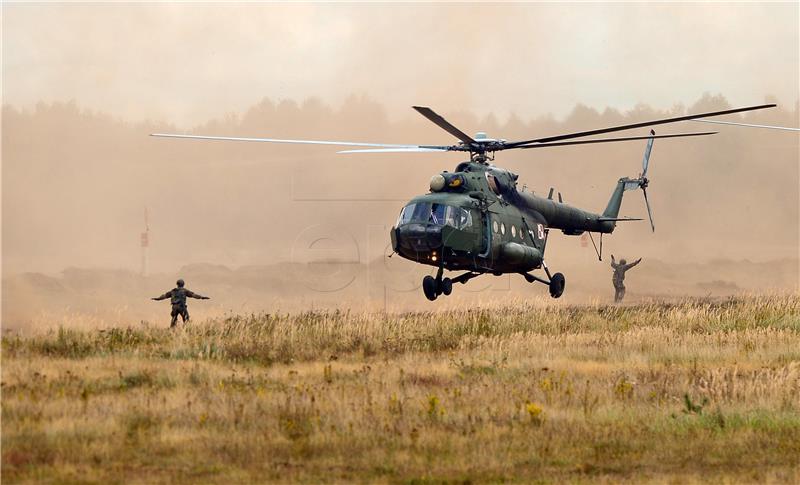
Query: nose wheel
[433, 287]
[429, 287]
[446, 286]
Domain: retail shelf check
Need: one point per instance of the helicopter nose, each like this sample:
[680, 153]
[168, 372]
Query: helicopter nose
[416, 238]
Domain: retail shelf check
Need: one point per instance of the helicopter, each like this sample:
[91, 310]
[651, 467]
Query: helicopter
[476, 221]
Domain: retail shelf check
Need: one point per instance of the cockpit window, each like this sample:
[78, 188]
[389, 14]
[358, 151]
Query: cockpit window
[414, 213]
[437, 214]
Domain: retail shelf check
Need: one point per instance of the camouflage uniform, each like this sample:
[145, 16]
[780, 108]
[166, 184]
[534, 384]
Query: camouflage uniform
[619, 276]
[178, 297]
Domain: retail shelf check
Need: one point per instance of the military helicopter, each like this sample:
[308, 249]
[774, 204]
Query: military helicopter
[476, 221]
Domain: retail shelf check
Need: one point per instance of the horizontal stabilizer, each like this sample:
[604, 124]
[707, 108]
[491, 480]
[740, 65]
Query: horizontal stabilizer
[617, 219]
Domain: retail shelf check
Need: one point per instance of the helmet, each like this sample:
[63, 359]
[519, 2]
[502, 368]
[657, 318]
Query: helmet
[621, 261]
[180, 283]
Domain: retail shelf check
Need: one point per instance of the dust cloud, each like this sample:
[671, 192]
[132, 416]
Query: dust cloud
[281, 227]
[259, 226]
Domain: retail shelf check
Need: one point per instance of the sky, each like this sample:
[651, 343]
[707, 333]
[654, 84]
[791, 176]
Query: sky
[185, 63]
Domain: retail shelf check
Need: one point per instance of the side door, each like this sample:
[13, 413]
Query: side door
[463, 230]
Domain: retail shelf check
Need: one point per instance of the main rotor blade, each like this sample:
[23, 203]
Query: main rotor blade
[275, 140]
[606, 140]
[787, 128]
[581, 134]
[444, 124]
[398, 150]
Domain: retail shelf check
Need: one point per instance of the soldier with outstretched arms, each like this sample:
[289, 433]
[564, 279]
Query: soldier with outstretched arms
[178, 297]
[619, 276]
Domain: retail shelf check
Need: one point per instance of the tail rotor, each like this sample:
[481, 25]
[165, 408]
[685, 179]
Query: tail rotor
[642, 182]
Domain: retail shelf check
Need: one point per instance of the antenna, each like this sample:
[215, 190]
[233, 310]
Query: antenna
[145, 241]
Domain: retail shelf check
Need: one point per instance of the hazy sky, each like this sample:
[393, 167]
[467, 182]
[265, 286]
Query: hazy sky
[186, 63]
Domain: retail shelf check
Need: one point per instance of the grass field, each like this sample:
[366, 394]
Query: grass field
[698, 391]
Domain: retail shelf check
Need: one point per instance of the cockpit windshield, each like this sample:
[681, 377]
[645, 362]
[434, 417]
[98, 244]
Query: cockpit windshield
[437, 214]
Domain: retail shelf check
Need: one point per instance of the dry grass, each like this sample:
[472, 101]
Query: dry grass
[696, 391]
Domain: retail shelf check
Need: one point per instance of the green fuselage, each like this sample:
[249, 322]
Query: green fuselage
[475, 219]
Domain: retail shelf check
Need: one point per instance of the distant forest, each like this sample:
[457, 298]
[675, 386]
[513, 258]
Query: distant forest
[75, 182]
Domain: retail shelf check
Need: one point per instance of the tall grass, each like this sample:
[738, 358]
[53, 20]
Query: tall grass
[284, 338]
[695, 391]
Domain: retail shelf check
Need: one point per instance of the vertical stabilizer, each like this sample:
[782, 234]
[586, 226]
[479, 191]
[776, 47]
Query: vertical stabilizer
[625, 183]
[615, 202]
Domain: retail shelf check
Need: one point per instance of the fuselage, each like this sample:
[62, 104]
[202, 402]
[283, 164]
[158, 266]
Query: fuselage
[475, 219]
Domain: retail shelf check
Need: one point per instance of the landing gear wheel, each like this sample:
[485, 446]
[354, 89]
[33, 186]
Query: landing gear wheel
[447, 286]
[429, 287]
[557, 284]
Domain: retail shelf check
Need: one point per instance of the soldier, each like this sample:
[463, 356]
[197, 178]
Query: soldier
[178, 297]
[619, 276]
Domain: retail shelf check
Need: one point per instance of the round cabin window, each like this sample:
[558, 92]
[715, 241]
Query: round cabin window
[503, 228]
[513, 231]
[494, 226]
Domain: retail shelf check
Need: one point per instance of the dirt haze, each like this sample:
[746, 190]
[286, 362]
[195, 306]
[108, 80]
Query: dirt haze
[77, 201]
[85, 298]
[75, 185]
